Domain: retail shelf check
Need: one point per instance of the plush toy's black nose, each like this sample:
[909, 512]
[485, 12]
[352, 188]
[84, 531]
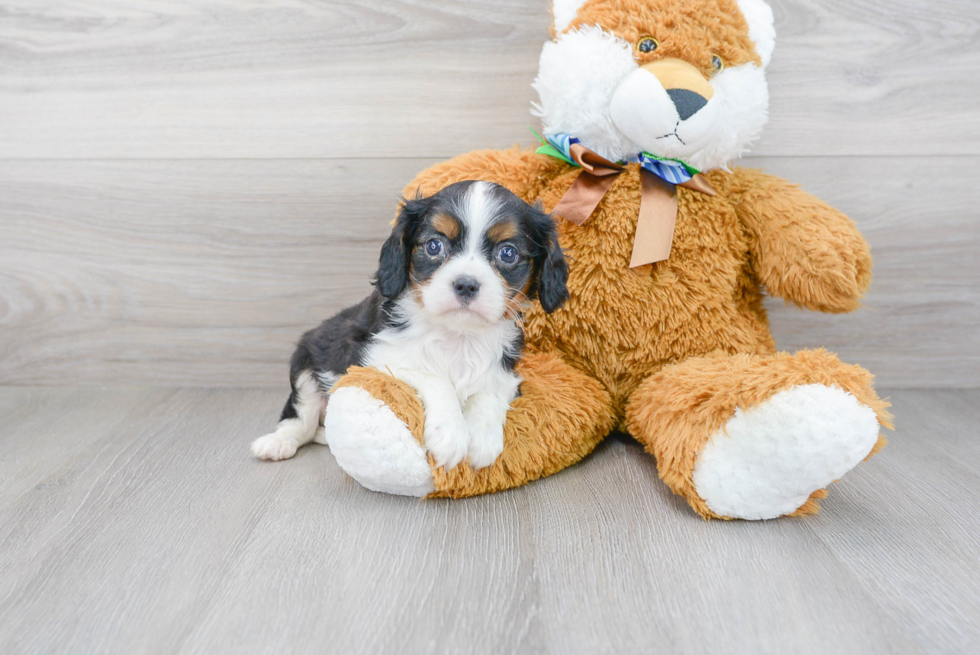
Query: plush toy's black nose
[466, 288]
[687, 102]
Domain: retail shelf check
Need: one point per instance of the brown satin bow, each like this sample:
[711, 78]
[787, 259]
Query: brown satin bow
[658, 203]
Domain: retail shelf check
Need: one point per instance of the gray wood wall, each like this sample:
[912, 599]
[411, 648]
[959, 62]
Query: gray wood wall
[185, 186]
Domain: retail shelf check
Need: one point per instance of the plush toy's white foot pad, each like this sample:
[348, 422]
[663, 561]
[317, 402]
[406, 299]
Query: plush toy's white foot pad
[767, 460]
[374, 446]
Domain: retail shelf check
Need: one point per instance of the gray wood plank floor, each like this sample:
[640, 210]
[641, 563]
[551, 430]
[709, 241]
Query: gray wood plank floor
[133, 520]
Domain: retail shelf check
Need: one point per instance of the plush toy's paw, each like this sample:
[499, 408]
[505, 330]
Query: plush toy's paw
[276, 446]
[766, 461]
[374, 446]
[446, 438]
[486, 438]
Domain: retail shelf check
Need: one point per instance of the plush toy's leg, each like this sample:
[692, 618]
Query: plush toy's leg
[755, 437]
[371, 424]
[374, 428]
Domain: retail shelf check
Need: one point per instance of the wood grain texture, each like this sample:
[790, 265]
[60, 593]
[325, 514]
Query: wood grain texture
[378, 78]
[152, 530]
[186, 186]
[206, 273]
[917, 327]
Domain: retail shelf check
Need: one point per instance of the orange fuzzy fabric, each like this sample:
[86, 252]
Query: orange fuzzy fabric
[621, 325]
[397, 394]
[674, 412]
[666, 351]
[560, 416]
[691, 31]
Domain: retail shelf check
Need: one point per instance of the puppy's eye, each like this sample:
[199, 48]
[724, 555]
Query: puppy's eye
[717, 63]
[646, 45]
[433, 247]
[507, 254]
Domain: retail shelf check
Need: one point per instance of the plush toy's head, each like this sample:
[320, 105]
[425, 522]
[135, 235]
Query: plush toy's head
[673, 78]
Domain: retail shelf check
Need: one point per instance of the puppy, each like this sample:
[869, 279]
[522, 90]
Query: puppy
[444, 316]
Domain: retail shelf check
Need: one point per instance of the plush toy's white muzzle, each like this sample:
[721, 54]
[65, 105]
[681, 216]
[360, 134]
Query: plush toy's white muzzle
[672, 123]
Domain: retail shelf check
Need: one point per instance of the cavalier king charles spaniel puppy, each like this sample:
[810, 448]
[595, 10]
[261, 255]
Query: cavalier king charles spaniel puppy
[444, 316]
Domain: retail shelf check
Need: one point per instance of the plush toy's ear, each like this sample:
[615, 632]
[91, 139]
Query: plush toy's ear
[762, 27]
[393, 265]
[564, 13]
[550, 267]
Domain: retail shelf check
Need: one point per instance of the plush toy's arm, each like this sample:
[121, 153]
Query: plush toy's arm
[520, 171]
[375, 428]
[803, 250]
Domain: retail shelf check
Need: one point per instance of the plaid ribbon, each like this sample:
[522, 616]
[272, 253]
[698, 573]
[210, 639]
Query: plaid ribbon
[673, 171]
[659, 179]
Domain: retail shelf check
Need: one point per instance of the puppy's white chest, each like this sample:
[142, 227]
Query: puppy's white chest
[471, 363]
[462, 383]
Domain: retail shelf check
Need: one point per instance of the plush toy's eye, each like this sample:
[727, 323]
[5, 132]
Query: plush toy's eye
[507, 254]
[717, 63]
[433, 247]
[646, 44]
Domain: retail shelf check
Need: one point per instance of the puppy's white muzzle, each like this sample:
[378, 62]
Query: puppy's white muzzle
[480, 306]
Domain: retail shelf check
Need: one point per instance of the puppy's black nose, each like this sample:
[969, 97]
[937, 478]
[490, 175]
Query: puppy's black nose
[687, 102]
[466, 288]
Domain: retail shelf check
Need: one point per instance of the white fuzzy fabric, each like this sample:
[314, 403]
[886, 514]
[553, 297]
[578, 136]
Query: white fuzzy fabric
[591, 87]
[374, 446]
[766, 461]
[564, 12]
[742, 101]
[643, 111]
[762, 28]
[577, 76]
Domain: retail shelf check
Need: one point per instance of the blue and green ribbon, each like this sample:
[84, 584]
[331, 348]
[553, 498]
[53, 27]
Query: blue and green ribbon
[674, 171]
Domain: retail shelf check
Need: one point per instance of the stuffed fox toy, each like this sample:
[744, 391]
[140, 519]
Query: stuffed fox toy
[643, 104]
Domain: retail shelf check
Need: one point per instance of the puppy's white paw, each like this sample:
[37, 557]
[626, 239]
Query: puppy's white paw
[275, 447]
[486, 438]
[446, 438]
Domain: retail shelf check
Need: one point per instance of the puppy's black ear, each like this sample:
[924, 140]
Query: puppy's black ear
[394, 263]
[552, 271]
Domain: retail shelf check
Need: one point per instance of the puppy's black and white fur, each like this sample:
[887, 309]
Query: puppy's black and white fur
[444, 317]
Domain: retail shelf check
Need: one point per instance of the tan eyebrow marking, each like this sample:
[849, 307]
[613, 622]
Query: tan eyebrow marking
[447, 225]
[502, 231]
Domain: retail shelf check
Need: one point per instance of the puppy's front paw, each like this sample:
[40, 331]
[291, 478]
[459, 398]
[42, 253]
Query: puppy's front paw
[486, 438]
[274, 447]
[446, 438]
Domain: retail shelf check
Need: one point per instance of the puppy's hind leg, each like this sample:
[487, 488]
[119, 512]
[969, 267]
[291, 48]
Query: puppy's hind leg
[300, 421]
[327, 380]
